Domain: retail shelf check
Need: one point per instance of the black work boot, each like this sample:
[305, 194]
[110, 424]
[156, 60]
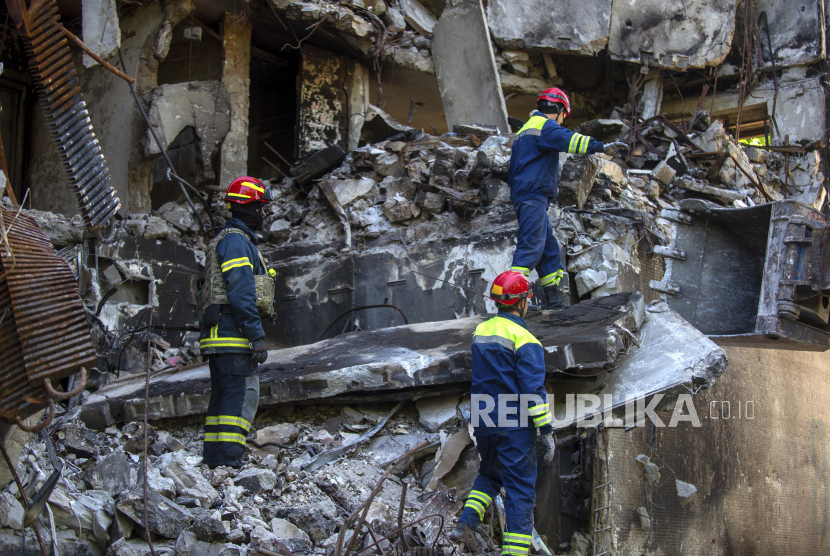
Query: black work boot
[553, 299]
[464, 533]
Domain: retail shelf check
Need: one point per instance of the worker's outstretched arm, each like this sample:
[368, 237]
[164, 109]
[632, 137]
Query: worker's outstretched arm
[237, 264]
[554, 137]
[530, 368]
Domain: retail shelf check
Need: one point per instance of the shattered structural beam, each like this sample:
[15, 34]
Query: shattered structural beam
[433, 358]
[466, 67]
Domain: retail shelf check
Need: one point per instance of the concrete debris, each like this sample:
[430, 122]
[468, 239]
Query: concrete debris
[685, 492]
[164, 517]
[256, 481]
[202, 105]
[101, 31]
[645, 520]
[651, 473]
[436, 413]
[290, 535]
[11, 512]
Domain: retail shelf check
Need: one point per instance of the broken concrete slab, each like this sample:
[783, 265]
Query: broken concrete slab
[672, 35]
[388, 448]
[448, 455]
[348, 191]
[202, 105]
[164, 517]
[418, 17]
[673, 355]
[573, 28]
[435, 413]
[256, 480]
[101, 31]
[685, 492]
[290, 535]
[464, 61]
[394, 363]
[180, 467]
[577, 176]
[11, 512]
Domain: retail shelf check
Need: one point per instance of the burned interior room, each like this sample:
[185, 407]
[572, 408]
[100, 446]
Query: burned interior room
[256, 260]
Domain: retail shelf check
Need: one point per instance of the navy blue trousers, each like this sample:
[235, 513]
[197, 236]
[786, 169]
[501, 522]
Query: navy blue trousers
[234, 397]
[508, 459]
[537, 248]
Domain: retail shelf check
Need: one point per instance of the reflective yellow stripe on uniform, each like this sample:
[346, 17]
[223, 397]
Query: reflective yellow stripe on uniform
[523, 270]
[477, 506]
[542, 420]
[507, 329]
[236, 263]
[228, 420]
[516, 543]
[553, 278]
[537, 410]
[224, 342]
[533, 126]
[224, 437]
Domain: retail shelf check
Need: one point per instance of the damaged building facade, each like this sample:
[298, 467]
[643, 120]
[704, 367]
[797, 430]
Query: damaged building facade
[384, 130]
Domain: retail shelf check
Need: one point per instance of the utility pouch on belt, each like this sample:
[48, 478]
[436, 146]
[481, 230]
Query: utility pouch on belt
[215, 293]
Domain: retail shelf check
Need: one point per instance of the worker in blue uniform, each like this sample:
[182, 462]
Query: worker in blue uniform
[509, 405]
[232, 336]
[534, 181]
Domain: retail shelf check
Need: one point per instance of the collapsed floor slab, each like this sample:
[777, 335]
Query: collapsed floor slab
[584, 341]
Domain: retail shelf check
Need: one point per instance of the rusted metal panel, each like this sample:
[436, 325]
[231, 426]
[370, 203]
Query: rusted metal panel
[46, 335]
[53, 73]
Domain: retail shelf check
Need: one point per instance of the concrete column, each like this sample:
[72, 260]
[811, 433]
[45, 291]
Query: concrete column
[466, 67]
[236, 70]
[357, 92]
[322, 102]
[652, 95]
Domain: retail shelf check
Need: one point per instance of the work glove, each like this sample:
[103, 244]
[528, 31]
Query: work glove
[612, 149]
[550, 447]
[260, 351]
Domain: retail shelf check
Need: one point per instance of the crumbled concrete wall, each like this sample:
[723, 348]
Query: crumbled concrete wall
[236, 67]
[566, 27]
[322, 102]
[100, 29]
[675, 34]
[799, 110]
[203, 105]
[759, 462]
[796, 31]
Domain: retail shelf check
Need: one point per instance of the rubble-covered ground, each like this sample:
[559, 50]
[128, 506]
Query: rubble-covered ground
[272, 501]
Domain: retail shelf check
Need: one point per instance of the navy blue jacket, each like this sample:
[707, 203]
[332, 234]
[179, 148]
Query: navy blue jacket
[233, 328]
[534, 162]
[508, 359]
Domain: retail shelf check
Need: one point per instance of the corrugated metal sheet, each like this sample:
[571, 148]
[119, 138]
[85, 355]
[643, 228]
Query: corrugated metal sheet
[45, 332]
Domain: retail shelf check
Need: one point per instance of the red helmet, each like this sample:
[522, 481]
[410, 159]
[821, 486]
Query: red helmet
[246, 189]
[555, 94]
[509, 287]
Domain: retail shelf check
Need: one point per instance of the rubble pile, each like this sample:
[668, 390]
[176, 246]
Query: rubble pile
[699, 158]
[423, 188]
[283, 497]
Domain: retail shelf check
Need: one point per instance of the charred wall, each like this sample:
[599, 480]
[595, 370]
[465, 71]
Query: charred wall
[760, 469]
